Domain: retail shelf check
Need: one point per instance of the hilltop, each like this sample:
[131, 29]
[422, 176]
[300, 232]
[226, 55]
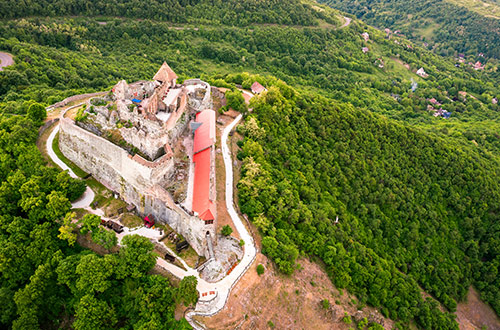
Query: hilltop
[398, 142]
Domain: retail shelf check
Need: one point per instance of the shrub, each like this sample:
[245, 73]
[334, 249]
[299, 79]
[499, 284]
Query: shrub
[325, 303]
[260, 269]
[37, 113]
[236, 101]
[226, 230]
[81, 115]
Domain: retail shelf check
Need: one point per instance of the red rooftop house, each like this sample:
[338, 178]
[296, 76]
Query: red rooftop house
[257, 88]
[204, 165]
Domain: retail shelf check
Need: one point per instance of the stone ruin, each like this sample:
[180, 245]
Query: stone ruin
[127, 141]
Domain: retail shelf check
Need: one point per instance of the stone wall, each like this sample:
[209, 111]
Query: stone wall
[137, 180]
[108, 162]
[160, 204]
[202, 104]
[74, 98]
[46, 125]
[151, 143]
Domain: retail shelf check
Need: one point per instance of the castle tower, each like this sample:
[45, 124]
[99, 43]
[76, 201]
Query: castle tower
[166, 75]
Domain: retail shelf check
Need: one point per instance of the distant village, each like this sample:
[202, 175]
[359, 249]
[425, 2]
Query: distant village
[434, 106]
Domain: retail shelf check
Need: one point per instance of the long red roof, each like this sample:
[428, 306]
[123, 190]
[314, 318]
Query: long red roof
[204, 136]
[201, 189]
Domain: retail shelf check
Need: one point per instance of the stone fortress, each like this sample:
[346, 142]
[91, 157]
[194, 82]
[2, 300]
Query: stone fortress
[132, 141]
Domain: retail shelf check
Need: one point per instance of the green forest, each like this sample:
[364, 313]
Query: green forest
[233, 12]
[336, 135]
[447, 28]
[413, 208]
[50, 282]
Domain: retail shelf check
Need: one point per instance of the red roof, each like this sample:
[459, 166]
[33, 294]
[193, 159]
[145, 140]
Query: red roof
[165, 73]
[204, 136]
[201, 188]
[257, 88]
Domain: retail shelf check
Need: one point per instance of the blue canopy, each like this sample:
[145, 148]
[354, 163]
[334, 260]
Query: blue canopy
[136, 101]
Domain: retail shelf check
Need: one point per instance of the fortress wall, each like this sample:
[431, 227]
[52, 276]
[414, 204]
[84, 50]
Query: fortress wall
[206, 103]
[134, 178]
[159, 203]
[107, 161]
[75, 98]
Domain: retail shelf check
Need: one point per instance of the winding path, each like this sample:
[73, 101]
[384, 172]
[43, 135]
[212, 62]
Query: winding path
[88, 196]
[224, 286]
[347, 22]
[213, 296]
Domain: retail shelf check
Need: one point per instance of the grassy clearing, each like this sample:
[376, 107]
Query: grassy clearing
[97, 187]
[131, 221]
[161, 254]
[428, 31]
[79, 213]
[485, 8]
[399, 69]
[114, 207]
[189, 255]
[103, 196]
[78, 171]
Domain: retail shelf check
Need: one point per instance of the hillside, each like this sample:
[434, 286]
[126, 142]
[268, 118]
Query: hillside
[231, 12]
[485, 8]
[410, 206]
[60, 57]
[343, 131]
[448, 27]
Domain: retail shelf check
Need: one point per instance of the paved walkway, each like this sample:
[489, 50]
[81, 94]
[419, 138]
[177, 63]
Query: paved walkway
[88, 196]
[213, 296]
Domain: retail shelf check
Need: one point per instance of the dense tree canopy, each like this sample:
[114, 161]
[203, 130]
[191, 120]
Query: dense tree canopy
[412, 207]
[231, 12]
[46, 280]
[453, 29]
[416, 196]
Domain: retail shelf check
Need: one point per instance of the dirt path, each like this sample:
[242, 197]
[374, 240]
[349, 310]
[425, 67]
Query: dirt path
[5, 60]
[347, 22]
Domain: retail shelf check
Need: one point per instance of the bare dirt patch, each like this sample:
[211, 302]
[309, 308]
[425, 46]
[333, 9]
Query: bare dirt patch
[223, 217]
[5, 60]
[56, 112]
[287, 302]
[475, 314]
[398, 60]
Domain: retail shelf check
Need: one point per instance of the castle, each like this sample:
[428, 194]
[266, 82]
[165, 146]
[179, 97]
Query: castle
[133, 140]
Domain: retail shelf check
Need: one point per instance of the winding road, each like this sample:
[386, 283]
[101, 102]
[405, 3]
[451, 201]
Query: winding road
[213, 296]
